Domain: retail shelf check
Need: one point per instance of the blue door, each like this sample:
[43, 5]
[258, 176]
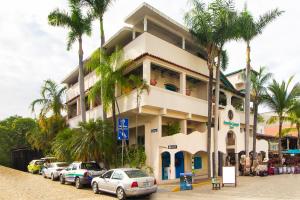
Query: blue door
[179, 163]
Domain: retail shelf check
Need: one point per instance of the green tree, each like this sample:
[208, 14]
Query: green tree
[78, 25]
[259, 81]
[51, 99]
[62, 143]
[89, 142]
[281, 99]
[110, 69]
[249, 28]
[140, 85]
[97, 8]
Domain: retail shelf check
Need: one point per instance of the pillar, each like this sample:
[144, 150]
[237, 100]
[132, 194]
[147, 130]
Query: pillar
[172, 166]
[145, 24]
[133, 34]
[183, 83]
[237, 164]
[147, 71]
[183, 43]
[78, 106]
[183, 126]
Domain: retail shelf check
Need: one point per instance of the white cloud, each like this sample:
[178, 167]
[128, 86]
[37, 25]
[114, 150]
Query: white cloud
[32, 51]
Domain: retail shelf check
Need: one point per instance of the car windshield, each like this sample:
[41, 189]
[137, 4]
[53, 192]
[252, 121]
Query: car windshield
[90, 166]
[39, 162]
[62, 165]
[136, 173]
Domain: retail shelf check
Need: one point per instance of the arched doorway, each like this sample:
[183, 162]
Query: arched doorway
[179, 163]
[165, 161]
[230, 148]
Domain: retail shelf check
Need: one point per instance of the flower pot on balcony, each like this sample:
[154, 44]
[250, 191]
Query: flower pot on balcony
[153, 82]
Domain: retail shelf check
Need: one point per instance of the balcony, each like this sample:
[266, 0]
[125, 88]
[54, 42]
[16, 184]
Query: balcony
[242, 117]
[164, 99]
[89, 81]
[94, 113]
[147, 43]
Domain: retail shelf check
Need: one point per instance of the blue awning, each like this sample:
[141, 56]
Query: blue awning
[292, 151]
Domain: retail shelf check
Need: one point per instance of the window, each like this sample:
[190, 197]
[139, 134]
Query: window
[108, 174]
[136, 173]
[90, 166]
[171, 87]
[117, 175]
[197, 162]
[74, 167]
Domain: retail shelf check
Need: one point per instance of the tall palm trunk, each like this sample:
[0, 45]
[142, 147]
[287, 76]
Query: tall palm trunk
[247, 100]
[280, 136]
[210, 84]
[136, 116]
[102, 39]
[255, 107]
[216, 121]
[81, 82]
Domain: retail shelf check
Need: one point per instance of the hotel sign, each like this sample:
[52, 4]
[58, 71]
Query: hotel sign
[231, 124]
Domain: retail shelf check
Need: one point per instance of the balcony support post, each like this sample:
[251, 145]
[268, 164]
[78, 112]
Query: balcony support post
[145, 24]
[183, 126]
[147, 71]
[183, 83]
[183, 43]
[78, 106]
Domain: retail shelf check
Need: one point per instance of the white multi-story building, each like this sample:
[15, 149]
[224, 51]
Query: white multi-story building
[174, 66]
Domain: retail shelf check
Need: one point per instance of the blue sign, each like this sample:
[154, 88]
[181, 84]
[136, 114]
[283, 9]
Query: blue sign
[123, 123]
[123, 129]
[123, 134]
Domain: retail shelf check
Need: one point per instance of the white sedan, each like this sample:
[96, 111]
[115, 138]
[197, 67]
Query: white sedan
[125, 183]
[52, 170]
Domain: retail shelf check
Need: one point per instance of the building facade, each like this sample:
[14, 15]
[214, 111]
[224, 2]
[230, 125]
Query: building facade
[172, 117]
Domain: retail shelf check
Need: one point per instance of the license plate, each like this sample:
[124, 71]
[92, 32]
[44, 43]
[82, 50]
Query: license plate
[146, 184]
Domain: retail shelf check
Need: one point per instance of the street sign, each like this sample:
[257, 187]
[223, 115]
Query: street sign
[173, 146]
[123, 129]
[123, 134]
[123, 123]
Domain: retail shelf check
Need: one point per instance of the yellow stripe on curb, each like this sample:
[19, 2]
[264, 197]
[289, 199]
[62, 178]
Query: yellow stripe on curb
[177, 188]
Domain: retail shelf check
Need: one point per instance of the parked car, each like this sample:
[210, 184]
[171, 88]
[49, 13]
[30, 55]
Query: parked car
[80, 173]
[35, 166]
[47, 160]
[53, 170]
[125, 183]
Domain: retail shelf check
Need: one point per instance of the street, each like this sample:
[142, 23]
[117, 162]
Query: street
[16, 185]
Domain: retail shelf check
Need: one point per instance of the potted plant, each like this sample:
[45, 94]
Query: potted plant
[153, 82]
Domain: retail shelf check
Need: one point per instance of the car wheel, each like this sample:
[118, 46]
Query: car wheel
[62, 179]
[121, 194]
[95, 188]
[52, 177]
[78, 184]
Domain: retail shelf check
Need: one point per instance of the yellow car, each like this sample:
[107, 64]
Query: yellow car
[35, 166]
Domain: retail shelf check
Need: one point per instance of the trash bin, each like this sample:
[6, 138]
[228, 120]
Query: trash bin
[186, 180]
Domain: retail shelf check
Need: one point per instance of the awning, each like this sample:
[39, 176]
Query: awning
[292, 151]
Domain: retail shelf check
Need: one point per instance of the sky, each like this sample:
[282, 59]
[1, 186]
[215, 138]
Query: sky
[31, 51]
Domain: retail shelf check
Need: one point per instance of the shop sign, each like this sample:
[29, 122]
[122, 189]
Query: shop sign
[173, 146]
[154, 130]
[231, 124]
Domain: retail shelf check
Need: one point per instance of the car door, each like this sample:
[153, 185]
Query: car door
[104, 181]
[115, 180]
[68, 174]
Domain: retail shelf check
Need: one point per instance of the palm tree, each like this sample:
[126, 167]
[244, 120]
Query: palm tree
[97, 8]
[78, 25]
[294, 118]
[90, 143]
[281, 99]
[141, 86]
[258, 82]
[51, 99]
[111, 69]
[249, 28]
[200, 23]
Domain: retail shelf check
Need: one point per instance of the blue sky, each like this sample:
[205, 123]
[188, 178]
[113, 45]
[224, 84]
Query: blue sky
[32, 51]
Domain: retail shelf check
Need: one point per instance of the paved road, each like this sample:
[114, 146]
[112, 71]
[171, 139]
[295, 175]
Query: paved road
[16, 185]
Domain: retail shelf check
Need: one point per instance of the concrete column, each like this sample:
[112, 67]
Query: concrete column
[183, 126]
[133, 34]
[172, 166]
[147, 71]
[287, 143]
[183, 43]
[228, 97]
[183, 83]
[145, 24]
